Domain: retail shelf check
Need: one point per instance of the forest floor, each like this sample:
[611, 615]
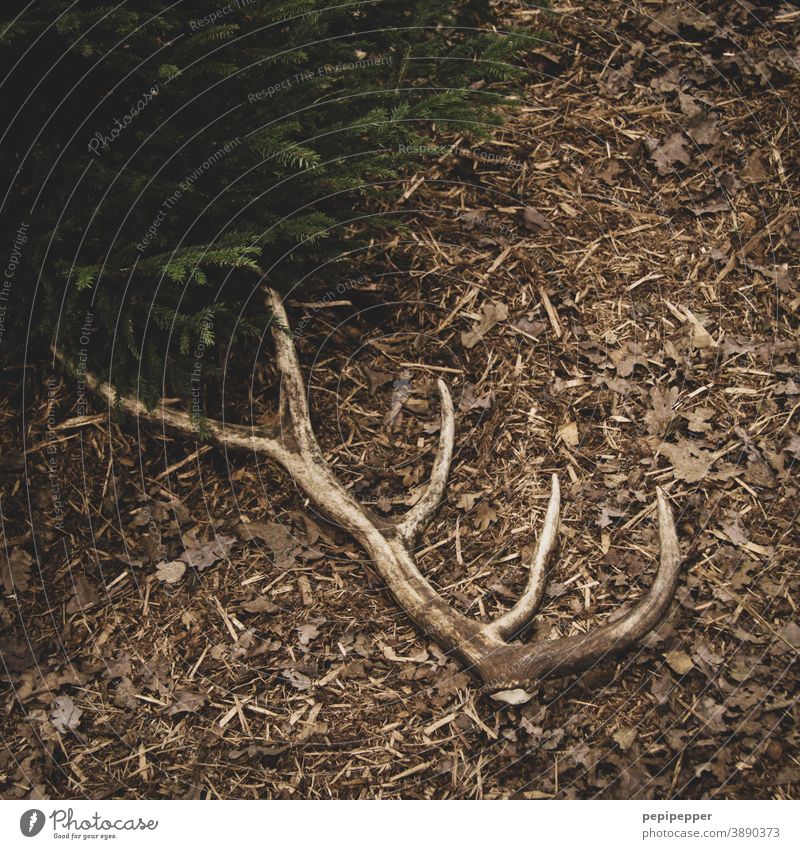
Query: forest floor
[609, 287]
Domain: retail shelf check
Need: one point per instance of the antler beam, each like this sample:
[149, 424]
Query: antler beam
[483, 647]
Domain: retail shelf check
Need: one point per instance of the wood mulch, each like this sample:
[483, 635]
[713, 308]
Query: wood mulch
[609, 287]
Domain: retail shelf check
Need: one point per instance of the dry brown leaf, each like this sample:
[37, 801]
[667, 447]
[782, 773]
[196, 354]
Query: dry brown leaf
[625, 737]
[16, 652]
[171, 572]
[84, 596]
[690, 462]
[491, 314]
[16, 571]
[660, 416]
[66, 715]
[679, 661]
[185, 700]
[699, 337]
[484, 516]
[534, 220]
[568, 434]
[673, 149]
[467, 500]
[259, 604]
[201, 554]
[306, 633]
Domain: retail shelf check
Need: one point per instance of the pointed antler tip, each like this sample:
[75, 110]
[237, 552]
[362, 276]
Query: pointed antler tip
[447, 399]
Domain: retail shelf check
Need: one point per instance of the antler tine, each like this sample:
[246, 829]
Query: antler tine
[415, 520]
[227, 434]
[520, 615]
[293, 391]
[531, 663]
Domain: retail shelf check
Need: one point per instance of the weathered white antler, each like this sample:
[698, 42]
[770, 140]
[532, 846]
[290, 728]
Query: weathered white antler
[482, 646]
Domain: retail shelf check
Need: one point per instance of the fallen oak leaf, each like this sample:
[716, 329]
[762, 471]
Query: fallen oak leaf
[690, 463]
[200, 554]
[660, 416]
[484, 516]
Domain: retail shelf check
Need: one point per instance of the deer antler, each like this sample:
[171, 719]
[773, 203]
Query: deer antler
[483, 647]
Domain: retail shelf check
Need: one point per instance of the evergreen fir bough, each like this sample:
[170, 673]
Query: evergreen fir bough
[165, 157]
